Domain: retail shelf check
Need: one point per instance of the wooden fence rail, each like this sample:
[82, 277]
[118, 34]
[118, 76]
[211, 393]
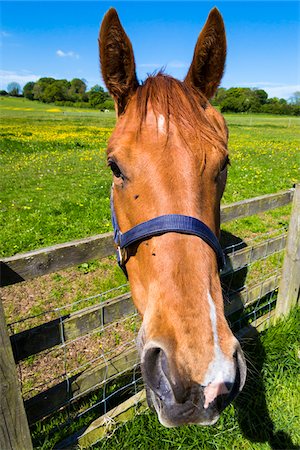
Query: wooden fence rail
[71, 326]
[67, 327]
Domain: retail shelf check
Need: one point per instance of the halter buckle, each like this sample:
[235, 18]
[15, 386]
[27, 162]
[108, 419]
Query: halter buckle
[122, 255]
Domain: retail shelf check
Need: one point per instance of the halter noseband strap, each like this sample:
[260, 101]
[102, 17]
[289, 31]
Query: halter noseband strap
[168, 223]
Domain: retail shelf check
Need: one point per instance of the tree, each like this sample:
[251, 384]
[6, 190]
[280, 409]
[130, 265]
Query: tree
[49, 90]
[219, 96]
[3, 92]
[56, 91]
[77, 90]
[261, 95]
[109, 104]
[243, 100]
[97, 88]
[273, 101]
[97, 96]
[40, 87]
[230, 104]
[28, 90]
[295, 99]
[14, 89]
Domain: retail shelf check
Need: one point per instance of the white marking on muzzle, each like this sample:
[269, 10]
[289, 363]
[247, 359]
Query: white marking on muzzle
[220, 369]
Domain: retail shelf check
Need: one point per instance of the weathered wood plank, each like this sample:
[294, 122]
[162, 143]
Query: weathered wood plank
[36, 339]
[69, 327]
[241, 258]
[105, 424]
[43, 404]
[14, 431]
[88, 319]
[263, 322]
[40, 262]
[93, 378]
[289, 290]
[47, 402]
[248, 296]
[255, 205]
[135, 405]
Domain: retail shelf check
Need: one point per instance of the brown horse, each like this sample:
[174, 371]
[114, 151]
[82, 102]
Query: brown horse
[168, 154]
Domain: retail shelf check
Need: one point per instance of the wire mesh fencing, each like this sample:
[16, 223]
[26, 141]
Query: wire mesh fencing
[250, 287]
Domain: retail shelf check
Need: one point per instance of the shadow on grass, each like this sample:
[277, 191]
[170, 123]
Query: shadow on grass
[251, 407]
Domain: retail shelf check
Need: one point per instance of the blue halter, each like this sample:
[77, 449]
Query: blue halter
[175, 223]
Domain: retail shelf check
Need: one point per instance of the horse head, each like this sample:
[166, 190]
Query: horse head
[168, 154]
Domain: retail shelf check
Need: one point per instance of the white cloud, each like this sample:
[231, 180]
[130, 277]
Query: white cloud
[71, 54]
[4, 34]
[149, 65]
[22, 77]
[177, 65]
[279, 90]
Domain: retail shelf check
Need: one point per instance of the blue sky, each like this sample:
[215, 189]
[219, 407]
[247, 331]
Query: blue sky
[59, 39]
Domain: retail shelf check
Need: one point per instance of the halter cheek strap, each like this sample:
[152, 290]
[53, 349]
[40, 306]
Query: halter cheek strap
[175, 223]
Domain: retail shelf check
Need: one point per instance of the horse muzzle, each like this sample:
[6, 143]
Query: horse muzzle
[179, 401]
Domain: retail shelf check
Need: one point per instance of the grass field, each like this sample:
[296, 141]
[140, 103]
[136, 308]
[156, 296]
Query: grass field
[55, 187]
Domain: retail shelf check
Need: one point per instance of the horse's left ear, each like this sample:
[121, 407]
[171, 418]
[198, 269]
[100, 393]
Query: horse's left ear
[208, 63]
[117, 60]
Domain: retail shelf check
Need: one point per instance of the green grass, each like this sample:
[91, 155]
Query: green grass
[265, 416]
[55, 185]
[265, 155]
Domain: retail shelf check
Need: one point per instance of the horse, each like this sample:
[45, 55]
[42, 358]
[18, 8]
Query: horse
[168, 156]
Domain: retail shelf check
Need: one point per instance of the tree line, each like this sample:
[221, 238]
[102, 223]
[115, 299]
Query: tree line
[62, 93]
[244, 100]
[75, 93]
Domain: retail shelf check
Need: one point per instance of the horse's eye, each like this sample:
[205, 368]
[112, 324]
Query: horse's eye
[225, 164]
[115, 169]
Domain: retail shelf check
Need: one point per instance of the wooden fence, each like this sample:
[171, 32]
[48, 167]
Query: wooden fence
[14, 417]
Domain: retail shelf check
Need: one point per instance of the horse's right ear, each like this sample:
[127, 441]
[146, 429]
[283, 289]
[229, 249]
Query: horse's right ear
[117, 60]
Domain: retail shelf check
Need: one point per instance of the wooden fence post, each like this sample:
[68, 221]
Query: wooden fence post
[14, 430]
[289, 287]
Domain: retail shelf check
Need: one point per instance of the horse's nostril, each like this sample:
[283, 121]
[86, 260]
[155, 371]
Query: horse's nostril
[152, 358]
[161, 377]
[155, 370]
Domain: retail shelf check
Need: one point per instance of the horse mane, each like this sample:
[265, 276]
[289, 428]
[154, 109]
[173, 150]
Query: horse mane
[179, 103]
